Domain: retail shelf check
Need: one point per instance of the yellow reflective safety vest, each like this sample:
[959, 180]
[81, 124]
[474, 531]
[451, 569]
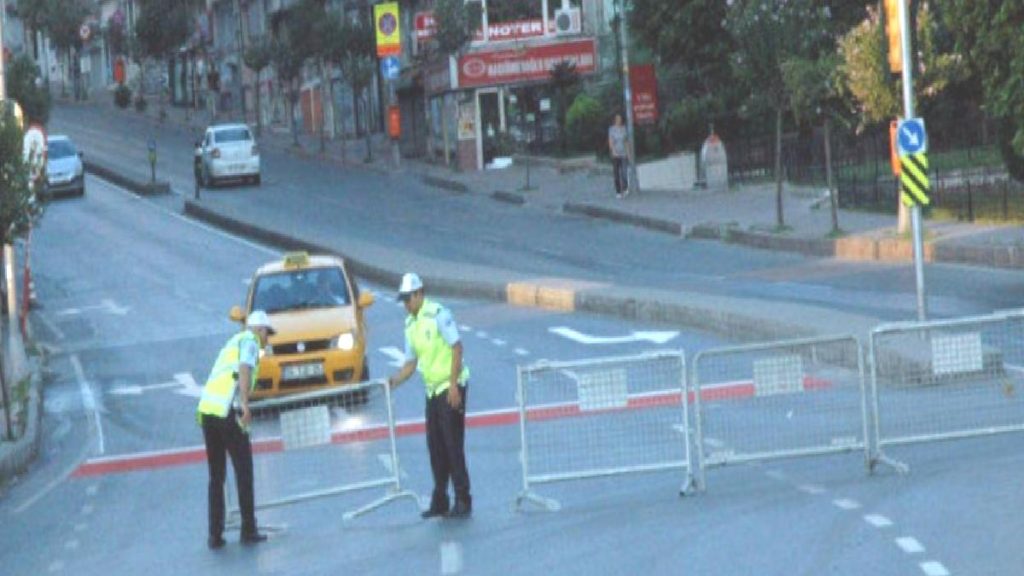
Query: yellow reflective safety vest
[219, 392]
[433, 354]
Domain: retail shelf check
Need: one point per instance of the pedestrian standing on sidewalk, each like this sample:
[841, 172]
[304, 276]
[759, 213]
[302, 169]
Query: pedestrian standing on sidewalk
[224, 415]
[618, 148]
[433, 347]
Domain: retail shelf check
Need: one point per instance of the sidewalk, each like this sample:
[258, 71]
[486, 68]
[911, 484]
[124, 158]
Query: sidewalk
[745, 214]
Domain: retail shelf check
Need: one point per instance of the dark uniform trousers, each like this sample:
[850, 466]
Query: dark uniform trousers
[225, 436]
[446, 433]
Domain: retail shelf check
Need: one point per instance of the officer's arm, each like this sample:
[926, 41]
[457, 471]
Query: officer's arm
[403, 374]
[453, 380]
[244, 378]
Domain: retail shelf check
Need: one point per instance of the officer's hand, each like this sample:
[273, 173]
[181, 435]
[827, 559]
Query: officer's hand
[246, 416]
[454, 397]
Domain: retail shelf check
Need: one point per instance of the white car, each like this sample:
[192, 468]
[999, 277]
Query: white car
[64, 171]
[227, 151]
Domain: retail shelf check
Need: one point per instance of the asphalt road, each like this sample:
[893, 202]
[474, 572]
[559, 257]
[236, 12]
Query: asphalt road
[329, 203]
[134, 295]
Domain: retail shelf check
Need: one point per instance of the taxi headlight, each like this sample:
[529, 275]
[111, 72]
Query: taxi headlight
[346, 341]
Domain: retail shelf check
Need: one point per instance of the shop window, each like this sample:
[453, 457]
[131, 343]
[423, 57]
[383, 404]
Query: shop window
[512, 10]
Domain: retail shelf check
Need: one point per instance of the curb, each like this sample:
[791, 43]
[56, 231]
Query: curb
[508, 197]
[445, 184]
[658, 225]
[141, 188]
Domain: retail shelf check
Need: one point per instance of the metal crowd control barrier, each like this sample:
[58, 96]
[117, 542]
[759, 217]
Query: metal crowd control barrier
[778, 400]
[602, 417]
[946, 379]
[325, 443]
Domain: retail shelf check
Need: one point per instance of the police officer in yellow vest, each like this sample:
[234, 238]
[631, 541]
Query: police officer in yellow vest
[224, 415]
[432, 345]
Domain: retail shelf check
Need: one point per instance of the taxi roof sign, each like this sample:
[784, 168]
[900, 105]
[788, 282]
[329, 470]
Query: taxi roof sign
[296, 259]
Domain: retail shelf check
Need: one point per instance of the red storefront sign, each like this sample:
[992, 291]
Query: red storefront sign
[424, 25]
[644, 84]
[532, 63]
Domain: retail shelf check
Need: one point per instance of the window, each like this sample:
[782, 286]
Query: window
[232, 135]
[60, 149]
[301, 289]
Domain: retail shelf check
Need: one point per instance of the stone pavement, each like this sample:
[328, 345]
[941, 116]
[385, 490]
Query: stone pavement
[745, 214]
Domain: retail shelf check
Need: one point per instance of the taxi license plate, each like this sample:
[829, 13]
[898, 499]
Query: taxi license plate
[302, 371]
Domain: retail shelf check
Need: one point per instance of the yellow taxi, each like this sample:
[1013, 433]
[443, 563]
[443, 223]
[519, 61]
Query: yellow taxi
[316, 309]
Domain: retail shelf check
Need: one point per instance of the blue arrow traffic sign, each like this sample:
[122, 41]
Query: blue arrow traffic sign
[390, 68]
[911, 137]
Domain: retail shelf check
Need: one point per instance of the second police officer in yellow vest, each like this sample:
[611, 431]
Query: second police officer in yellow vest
[432, 345]
[223, 413]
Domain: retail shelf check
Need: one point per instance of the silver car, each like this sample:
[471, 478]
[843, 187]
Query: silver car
[227, 151]
[65, 174]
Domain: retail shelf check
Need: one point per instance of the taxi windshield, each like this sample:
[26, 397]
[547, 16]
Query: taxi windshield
[301, 289]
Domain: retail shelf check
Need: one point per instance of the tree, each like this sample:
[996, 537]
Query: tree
[23, 89]
[18, 206]
[36, 16]
[161, 28]
[456, 22]
[64, 22]
[988, 35]
[564, 80]
[306, 23]
[688, 35]
[288, 65]
[257, 57]
[358, 65]
[767, 33]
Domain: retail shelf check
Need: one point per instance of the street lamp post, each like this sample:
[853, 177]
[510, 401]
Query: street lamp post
[634, 184]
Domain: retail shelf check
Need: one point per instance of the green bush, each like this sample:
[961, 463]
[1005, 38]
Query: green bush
[25, 87]
[122, 96]
[686, 123]
[587, 125]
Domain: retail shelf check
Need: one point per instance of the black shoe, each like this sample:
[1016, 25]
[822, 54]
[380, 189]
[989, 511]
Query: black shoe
[433, 512]
[254, 538]
[462, 509]
[215, 542]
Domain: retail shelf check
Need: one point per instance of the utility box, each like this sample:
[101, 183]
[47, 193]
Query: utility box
[714, 163]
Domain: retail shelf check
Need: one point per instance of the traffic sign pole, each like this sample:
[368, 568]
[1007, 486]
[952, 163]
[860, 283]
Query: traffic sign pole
[908, 113]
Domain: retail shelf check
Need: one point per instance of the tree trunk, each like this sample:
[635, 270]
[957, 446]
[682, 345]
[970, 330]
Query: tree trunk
[323, 114]
[293, 101]
[259, 109]
[779, 220]
[444, 131]
[369, 142]
[832, 192]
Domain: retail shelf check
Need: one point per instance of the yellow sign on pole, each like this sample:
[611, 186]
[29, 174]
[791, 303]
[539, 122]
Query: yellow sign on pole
[914, 183]
[388, 29]
[892, 33]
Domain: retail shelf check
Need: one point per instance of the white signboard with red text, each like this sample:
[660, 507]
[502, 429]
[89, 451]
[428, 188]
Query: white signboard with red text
[425, 27]
[530, 63]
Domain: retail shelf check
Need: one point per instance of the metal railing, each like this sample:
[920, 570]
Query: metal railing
[602, 417]
[325, 443]
[778, 400]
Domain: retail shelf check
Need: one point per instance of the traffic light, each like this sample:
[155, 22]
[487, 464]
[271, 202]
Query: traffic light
[892, 32]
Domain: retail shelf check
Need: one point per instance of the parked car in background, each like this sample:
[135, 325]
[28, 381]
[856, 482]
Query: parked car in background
[65, 173]
[227, 152]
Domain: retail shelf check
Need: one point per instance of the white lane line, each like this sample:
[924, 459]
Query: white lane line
[87, 509]
[56, 566]
[81, 527]
[451, 558]
[811, 489]
[933, 568]
[92, 490]
[714, 442]
[57, 332]
[910, 545]
[88, 400]
[846, 504]
[877, 521]
[522, 352]
[775, 474]
[464, 328]
[498, 342]
[481, 334]
[71, 544]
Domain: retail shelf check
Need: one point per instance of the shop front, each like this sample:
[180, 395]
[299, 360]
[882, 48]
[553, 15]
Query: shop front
[500, 99]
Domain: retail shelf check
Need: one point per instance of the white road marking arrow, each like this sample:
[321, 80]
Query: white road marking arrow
[137, 390]
[108, 306]
[183, 381]
[188, 385]
[397, 356]
[648, 336]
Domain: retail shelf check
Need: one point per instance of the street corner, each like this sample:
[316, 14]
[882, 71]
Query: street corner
[902, 250]
[856, 248]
